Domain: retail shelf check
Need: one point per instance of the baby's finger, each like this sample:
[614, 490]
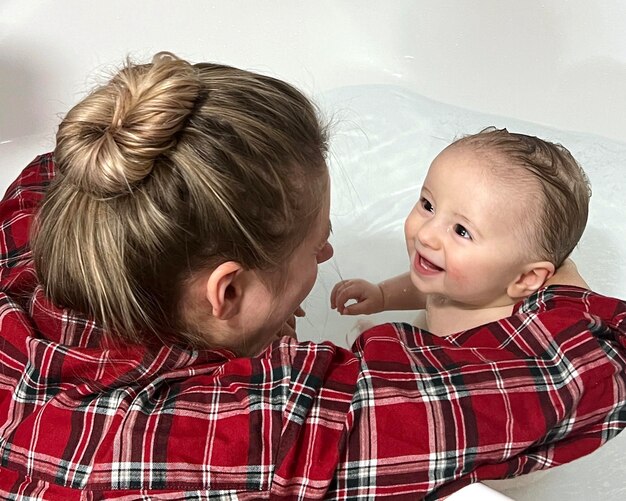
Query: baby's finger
[359, 308]
[333, 293]
[340, 300]
[337, 289]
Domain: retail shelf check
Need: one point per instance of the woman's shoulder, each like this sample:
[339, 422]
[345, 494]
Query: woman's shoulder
[20, 202]
[33, 179]
[17, 210]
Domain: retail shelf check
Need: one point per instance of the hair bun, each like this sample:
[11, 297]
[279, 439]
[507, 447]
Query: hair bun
[110, 140]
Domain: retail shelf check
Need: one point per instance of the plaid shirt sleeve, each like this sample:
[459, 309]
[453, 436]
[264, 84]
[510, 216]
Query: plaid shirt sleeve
[404, 415]
[538, 389]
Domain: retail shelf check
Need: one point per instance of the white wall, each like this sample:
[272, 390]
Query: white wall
[561, 63]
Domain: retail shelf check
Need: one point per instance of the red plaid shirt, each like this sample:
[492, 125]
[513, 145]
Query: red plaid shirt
[403, 415]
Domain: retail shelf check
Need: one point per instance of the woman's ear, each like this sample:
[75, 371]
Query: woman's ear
[531, 279]
[224, 290]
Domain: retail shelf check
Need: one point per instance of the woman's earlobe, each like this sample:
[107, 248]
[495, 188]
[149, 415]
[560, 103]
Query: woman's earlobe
[223, 290]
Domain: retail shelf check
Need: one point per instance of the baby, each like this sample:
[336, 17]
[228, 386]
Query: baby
[498, 213]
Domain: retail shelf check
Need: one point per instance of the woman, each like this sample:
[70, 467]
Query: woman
[174, 233]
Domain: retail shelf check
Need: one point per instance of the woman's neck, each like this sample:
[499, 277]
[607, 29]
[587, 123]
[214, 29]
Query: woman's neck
[445, 317]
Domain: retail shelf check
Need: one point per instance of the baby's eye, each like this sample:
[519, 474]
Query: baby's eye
[460, 230]
[426, 205]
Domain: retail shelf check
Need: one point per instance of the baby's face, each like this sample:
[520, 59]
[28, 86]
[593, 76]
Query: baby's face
[464, 235]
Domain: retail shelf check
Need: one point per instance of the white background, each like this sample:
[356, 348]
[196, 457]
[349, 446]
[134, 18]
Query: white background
[560, 63]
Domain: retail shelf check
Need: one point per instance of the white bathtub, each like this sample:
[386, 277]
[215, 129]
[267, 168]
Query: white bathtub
[382, 70]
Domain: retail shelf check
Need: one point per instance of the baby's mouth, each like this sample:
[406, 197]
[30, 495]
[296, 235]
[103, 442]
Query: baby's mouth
[428, 265]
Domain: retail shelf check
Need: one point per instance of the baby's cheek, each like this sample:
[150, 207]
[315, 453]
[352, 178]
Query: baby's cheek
[460, 275]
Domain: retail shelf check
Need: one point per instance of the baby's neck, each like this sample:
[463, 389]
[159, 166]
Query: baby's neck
[444, 317]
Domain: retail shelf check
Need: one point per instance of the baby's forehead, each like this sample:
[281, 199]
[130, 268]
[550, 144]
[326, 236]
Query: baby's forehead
[487, 187]
[514, 192]
[495, 168]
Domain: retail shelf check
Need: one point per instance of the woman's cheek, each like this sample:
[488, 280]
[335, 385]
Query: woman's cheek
[310, 281]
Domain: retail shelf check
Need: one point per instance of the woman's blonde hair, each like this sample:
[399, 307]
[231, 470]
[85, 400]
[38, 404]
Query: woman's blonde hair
[168, 169]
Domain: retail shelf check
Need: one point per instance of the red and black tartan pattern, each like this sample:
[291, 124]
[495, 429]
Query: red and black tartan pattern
[404, 415]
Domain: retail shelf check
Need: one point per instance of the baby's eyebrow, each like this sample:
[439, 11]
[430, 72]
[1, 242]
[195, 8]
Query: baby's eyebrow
[468, 221]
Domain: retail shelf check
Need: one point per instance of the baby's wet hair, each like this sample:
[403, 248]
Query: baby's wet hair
[560, 215]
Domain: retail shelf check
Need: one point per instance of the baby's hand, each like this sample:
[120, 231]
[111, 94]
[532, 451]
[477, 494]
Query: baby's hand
[368, 296]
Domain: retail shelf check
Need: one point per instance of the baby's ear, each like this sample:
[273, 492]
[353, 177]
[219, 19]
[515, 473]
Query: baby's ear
[532, 278]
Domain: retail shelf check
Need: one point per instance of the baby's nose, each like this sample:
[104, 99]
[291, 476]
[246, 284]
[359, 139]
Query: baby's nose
[429, 234]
